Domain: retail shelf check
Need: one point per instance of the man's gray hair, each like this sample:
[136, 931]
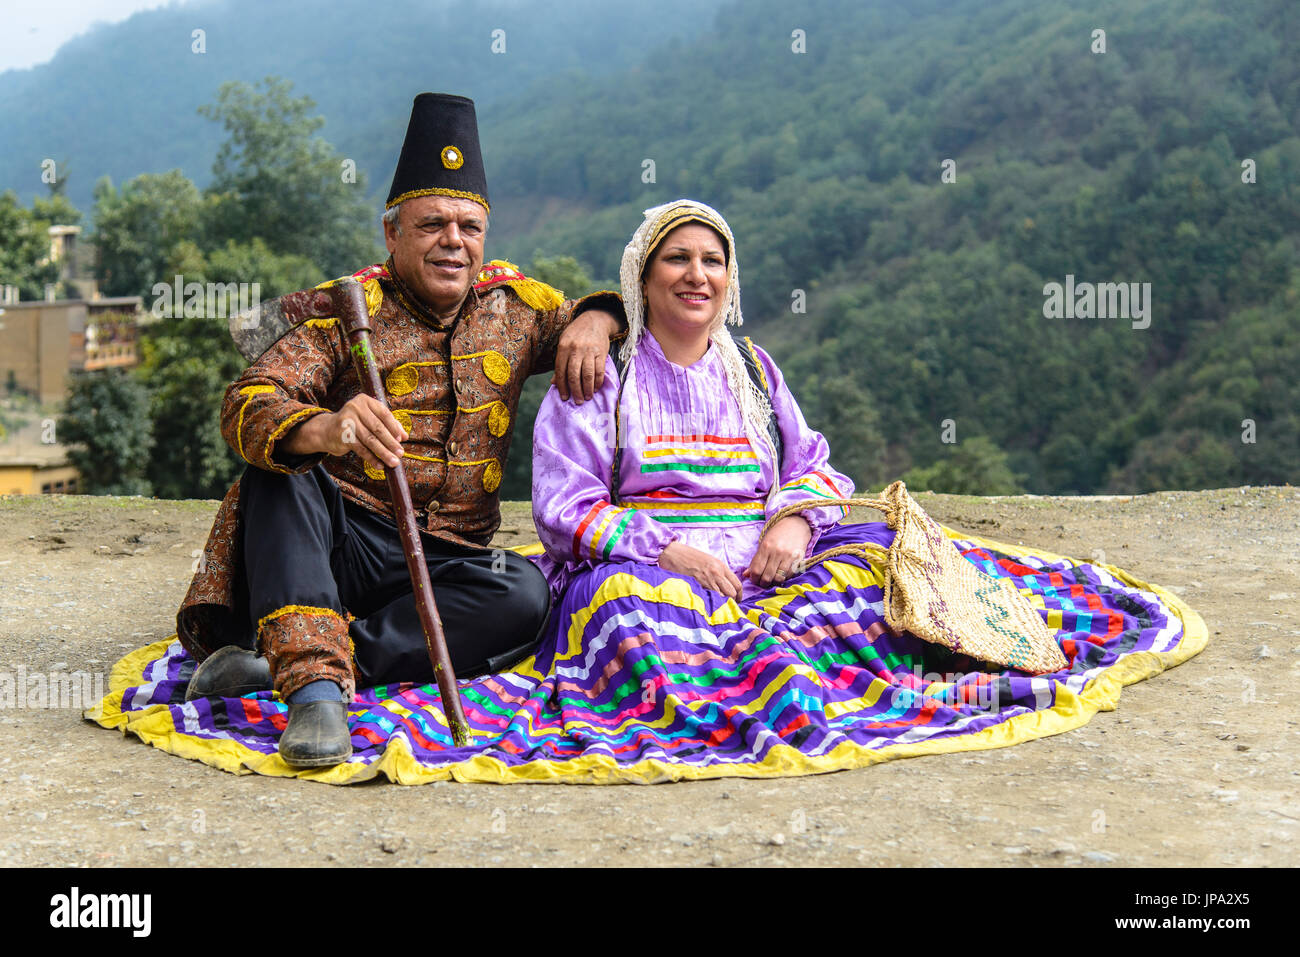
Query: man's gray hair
[391, 216]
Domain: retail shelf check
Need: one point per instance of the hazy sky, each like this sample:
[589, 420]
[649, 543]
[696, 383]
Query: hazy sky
[31, 31]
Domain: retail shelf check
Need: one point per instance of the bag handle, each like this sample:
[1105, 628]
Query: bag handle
[892, 501]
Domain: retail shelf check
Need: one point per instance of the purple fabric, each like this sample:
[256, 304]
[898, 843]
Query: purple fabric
[688, 470]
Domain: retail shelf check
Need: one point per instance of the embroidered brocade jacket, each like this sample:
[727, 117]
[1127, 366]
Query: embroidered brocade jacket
[454, 388]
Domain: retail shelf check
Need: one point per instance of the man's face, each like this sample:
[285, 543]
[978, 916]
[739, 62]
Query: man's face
[438, 250]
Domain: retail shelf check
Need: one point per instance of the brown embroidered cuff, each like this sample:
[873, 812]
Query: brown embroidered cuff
[303, 644]
[289, 463]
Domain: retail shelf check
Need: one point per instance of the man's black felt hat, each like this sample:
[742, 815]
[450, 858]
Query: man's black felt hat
[441, 154]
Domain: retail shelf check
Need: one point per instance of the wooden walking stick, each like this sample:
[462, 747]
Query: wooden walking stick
[350, 302]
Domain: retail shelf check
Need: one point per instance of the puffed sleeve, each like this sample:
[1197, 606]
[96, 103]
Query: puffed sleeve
[806, 471]
[281, 390]
[573, 453]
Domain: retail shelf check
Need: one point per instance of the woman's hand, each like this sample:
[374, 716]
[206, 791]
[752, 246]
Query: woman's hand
[709, 571]
[781, 553]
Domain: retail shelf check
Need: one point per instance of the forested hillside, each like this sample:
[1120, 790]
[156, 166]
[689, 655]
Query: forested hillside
[121, 99]
[924, 299]
[907, 181]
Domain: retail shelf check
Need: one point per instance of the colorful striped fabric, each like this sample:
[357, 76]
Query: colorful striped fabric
[646, 677]
[719, 454]
[677, 509]
[817, 483]
[603, 522]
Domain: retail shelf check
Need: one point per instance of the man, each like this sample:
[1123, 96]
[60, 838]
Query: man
[304, 565]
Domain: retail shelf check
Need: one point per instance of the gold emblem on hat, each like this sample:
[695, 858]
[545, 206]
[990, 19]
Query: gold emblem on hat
[452, 157]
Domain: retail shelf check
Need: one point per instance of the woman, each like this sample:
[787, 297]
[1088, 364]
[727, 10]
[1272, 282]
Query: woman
[697, 466]
[683, 634]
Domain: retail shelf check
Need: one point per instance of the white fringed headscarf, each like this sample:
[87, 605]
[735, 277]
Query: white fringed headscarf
[659, 222]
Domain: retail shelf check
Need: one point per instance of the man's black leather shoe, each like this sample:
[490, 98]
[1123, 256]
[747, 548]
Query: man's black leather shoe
[317, 735]
[229, 673]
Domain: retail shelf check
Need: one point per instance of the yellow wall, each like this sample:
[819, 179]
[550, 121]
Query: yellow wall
[31, 479]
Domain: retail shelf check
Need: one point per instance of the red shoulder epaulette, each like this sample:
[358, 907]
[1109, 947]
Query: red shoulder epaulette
[495, 272]
[534, 292]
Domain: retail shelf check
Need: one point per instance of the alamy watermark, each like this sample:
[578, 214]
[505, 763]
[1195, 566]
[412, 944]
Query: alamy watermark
[57, 689]
[980, 695]
[75, 909]
[1103, 300]
[196, 300]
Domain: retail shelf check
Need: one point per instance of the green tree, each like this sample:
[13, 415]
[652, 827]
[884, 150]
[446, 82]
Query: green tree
[55, 210]
[975, 467]
[188, 362]
[564, 273]
[138, 230]
[105, 425]
[254, 262]
[853, 432]
[24, 249]
[274, 180]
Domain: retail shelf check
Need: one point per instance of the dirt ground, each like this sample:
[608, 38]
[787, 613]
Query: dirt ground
[1198, 766]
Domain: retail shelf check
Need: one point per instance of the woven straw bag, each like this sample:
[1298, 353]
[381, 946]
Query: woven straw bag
[936, 594]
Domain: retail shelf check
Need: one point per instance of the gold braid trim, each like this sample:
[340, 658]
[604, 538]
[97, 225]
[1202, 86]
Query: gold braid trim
[679, 214]
[281, 429]
[298, 610]
[498, 416]
[437, 191]
[250, 391]
[406, 377]
[491, 474]
[495, 366]
[380, 474]
[403, 416]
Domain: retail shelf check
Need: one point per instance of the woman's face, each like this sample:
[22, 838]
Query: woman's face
[687, 280]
